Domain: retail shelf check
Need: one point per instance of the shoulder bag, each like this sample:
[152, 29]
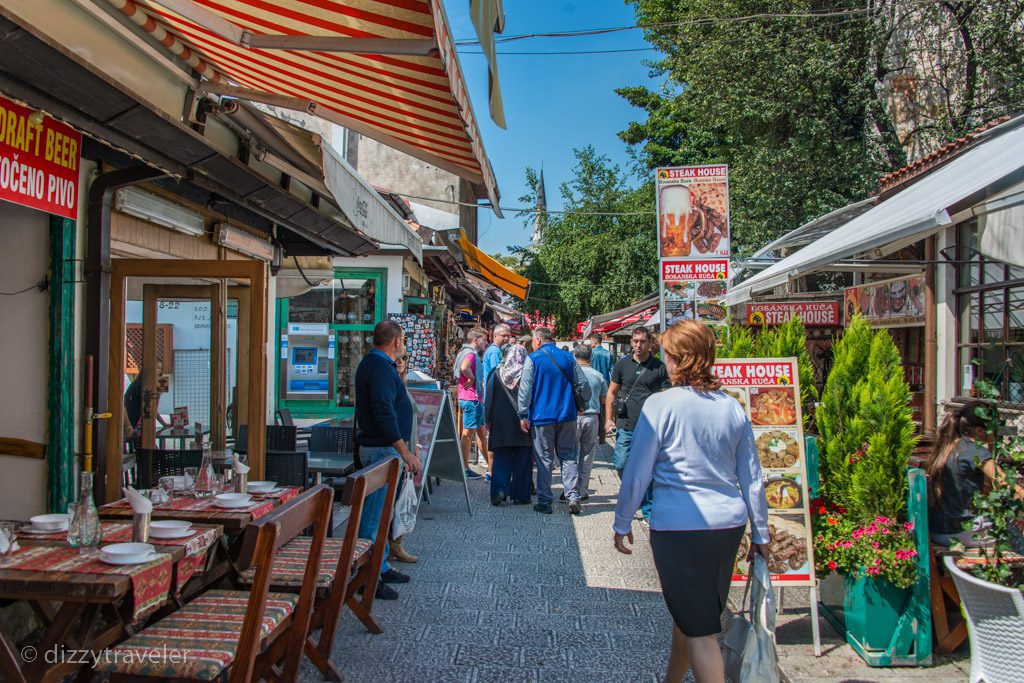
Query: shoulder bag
[577, 391]
[619, 404]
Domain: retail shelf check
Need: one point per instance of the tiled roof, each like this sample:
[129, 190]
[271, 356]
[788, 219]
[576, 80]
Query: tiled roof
[934, 159]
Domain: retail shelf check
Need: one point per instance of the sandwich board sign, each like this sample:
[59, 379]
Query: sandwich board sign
[437, 440]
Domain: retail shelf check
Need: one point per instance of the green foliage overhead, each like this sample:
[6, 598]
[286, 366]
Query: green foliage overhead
[586, 264]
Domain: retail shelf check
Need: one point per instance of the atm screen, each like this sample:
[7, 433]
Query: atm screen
[304, 356]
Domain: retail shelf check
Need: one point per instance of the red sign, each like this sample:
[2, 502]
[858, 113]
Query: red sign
[753, 372]
[813, 313]
[39, 159]
[695, 270]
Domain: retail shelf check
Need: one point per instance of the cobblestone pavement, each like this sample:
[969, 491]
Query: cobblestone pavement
[507, 594]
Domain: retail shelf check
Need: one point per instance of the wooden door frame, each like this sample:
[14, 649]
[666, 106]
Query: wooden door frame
[255, 272]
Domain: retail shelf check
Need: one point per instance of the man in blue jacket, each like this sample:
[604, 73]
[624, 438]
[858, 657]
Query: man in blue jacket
[383, 429]
[547, 406]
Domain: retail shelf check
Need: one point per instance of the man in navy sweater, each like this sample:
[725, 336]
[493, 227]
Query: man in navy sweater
[383, 429]
[546, 405]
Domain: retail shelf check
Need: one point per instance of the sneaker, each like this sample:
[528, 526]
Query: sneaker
[574, 507]
[496, 500]
[385, 592]
[487, 477]
[542, 508]
[395, 576]
[561, 496]
[470, 474]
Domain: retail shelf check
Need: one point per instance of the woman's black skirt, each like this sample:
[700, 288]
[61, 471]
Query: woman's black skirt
[695, 569]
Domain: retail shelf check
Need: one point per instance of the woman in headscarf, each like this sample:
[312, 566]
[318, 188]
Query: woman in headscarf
[511, 446]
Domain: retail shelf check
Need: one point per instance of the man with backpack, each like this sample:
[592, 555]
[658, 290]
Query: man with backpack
[552, 391]
[469, 373]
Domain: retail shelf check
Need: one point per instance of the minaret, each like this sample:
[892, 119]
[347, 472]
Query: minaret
[541, 217]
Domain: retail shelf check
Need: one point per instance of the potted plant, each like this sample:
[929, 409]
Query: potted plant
[861, 527]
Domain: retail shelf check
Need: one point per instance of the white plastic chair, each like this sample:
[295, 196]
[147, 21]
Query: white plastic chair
[995, 625]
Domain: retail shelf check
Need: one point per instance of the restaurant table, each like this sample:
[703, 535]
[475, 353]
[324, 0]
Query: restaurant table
[86, 605]
[329, 462]
[182, 435]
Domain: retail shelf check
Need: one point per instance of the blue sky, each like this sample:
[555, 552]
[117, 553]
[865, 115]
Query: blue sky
[553, 103]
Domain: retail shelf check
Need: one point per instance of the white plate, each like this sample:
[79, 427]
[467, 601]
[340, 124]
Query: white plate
[127, 560]
[230, 505]
[34, 530]
[171, 533]
[261, 486]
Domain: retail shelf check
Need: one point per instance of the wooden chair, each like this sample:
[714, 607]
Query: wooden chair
[153, 463]
[239, 636]
[948, 623]
[349, 565]
[284, 417]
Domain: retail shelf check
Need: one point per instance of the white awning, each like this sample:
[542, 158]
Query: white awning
[908, 216]
[369, 213]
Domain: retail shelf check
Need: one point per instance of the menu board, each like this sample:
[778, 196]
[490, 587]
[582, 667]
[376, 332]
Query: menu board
[890, 303]
[420, 341]
[769, 391]
[812, 313]
[694, 290]
[437, 441]
[693, 211]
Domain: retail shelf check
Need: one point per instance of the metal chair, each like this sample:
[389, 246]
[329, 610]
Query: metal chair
[281, 438]
[153, 463]
[332, 439]
[287, 468]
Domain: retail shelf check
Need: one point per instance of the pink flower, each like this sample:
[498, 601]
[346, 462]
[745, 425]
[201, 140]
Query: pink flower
[882, 520]
[847, 544]
[878, 561]
[832, 564]
[876, 545]
[885, 530]
[873, 571]
[857, 533]
[870, 529]
[908, 526]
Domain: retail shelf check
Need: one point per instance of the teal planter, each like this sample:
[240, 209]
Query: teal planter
[872, 609]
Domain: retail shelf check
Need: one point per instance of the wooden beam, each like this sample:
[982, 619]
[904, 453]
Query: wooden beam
[257, 417]
[21, 448]
[150, 397]
[218, 363]
[243, 294]
[115, 378]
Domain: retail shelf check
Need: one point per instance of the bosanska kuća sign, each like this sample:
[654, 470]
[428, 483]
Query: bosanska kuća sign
[813, 313]
[39, 160]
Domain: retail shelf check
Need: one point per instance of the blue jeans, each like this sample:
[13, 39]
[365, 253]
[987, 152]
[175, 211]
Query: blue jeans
[623, 441]
[374, 504]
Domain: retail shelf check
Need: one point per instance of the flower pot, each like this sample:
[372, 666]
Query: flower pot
[872, 609]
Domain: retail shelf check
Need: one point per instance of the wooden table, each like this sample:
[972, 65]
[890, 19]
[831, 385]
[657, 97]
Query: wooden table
[80, 612]
[233, 521]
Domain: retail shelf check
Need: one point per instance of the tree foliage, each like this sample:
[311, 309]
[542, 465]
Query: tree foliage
[585, 263]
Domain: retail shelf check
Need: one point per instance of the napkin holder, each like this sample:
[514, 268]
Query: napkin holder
[140, 526]
[240, 482]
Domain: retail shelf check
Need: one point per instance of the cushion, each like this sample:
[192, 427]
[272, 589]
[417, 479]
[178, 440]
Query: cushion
[290, 563]
[198, 641]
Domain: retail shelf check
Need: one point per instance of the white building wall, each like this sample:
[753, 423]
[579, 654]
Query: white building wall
[947, 364]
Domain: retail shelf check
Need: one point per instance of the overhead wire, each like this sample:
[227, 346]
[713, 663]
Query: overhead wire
[530, 209]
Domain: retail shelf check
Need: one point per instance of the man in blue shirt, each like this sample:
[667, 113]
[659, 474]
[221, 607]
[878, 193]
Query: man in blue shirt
[383, 429]
[492, 359]
[600, 357]
[547, 405]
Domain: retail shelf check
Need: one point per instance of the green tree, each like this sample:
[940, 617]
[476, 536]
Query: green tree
[738, 342]
[588, 262]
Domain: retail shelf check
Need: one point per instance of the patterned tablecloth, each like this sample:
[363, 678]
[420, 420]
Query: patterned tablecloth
[263, 504]
[151, 582]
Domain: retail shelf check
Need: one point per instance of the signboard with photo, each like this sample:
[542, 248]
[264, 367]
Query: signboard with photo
[693, 211]
[694, 290]
[768, 389]
[889, 303]
[437, 441]
[813, 313]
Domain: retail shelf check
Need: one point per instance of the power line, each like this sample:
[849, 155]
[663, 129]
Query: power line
[530, 209]
[566, 52]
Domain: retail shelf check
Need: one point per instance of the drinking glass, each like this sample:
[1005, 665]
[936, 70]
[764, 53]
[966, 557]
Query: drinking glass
[167, 486]
[190, 480]
[7, 542]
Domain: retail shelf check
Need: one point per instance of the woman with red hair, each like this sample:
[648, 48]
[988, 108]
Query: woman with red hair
[696, 444]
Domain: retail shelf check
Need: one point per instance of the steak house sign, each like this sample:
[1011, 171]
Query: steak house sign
[813, 313]
[39, 160]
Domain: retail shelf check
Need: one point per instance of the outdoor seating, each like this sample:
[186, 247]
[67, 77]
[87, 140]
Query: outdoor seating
[279, 438]
[332, 439]
[153, 463]
[343, 558]
[287, 468]
[238, 635]
[947, 622]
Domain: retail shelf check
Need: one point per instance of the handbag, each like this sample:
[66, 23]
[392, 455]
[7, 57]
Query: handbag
[619, 404]
[403, 521]
[577, 391]
[748, 649]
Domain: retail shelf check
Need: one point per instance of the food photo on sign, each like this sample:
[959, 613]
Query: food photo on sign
[694, 290]
[693, 211]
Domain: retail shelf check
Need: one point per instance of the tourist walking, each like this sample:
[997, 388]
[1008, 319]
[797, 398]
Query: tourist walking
[588, 423]
[635, 378]
[383, 418]
[469, 372]
[492, 359]
[695, 443]
[600, 357]
[396, 550]
[511, 474]
[547, 407]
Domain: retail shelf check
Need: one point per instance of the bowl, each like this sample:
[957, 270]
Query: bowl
[261, 486]
[128, 552]
[54, 522]
[232, 500]
[170, 524]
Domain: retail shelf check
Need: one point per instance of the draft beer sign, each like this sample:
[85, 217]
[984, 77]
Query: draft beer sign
[693, 212]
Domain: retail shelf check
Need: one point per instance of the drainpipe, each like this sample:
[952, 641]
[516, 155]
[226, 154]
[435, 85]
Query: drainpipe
[931, 315]
[97, 296]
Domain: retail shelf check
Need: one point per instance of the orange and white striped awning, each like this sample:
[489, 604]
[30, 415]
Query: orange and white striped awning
[386, 69]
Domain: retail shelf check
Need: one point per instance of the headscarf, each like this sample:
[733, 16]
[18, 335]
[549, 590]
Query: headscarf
[511, 369]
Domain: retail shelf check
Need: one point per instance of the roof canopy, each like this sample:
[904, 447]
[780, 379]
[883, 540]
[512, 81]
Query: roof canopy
[910, 215]
[386, 70]
[498, 275]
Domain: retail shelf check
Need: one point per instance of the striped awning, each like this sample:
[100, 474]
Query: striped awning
[490, 270]
[387, 70]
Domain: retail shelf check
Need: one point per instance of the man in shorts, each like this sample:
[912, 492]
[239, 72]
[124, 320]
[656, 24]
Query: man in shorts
[469, 371]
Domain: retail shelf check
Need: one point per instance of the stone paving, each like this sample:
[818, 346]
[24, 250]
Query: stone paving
[507, 594]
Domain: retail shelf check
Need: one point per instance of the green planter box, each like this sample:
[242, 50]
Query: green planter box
[872, 609]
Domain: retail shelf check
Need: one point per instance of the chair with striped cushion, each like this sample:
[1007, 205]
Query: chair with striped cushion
[348, 564]
[237, 635]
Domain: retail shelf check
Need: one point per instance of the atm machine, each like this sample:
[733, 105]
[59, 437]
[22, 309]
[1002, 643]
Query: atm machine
[307, 359]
